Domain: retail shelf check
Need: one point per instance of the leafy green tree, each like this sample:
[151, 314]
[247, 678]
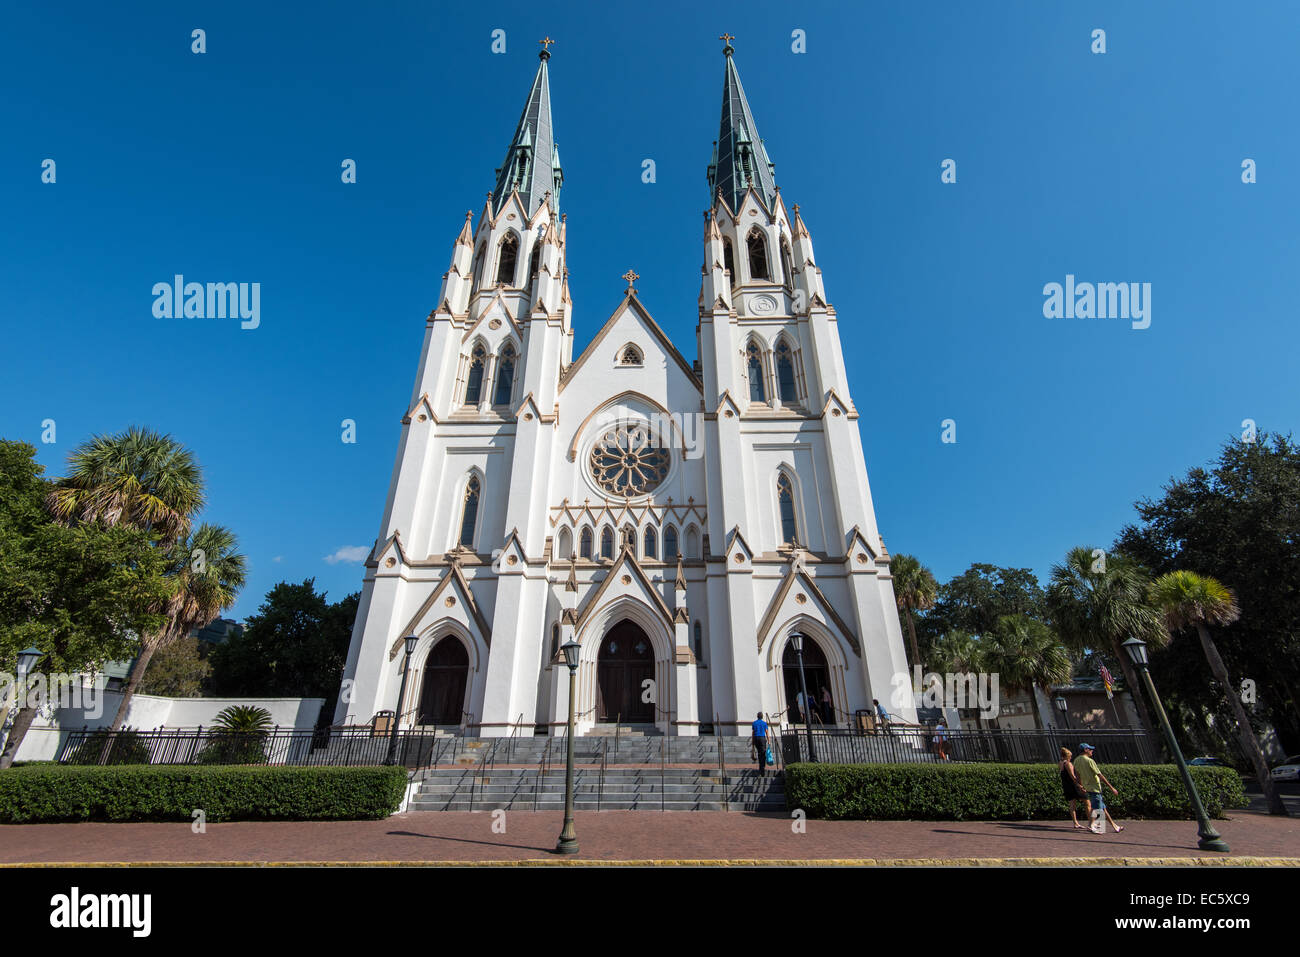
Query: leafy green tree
[1238, 519]
[1190, 600]
[178, 670]
[915, 589]
[83, 594]
[1098, 601]
[294, 646]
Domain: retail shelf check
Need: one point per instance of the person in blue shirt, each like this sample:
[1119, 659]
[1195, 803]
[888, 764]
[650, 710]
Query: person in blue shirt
[760, 743]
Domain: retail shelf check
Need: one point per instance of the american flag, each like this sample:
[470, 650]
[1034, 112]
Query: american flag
[1107, 680]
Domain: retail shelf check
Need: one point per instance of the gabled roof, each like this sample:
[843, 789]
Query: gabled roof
[797, 574]
[454, 581]
[626, 560]
[532, 163]
[739, 158]
[633, 304]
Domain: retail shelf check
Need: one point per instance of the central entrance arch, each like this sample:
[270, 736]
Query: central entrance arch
[817, 674]
[442, 696]
[625, 661]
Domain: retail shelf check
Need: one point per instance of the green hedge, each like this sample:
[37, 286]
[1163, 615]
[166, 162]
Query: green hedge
[39, 793]
[1002, 792]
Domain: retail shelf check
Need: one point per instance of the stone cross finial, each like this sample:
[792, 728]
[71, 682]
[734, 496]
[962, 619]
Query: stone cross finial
[631, 277]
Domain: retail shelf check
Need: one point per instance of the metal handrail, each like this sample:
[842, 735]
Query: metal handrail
[663, 750]
[722, 756]
[541, 770]
[600, 790]
[510, 746]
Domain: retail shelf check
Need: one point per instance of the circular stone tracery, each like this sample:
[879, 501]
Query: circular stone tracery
[628, 461]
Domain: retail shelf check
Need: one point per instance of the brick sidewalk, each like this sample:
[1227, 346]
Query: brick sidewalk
[637, 836]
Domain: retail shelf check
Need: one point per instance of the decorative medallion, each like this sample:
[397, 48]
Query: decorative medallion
[835, 412]
[762, 305]
[862, 558]
[801, 598]
[451, 600]
[512, 560]
[390, 562]
[423, 417]
[626, 579]
[729, 414]
[628, 461]
[511, 216]
[494, 324]
[739, 558]
[528, 417]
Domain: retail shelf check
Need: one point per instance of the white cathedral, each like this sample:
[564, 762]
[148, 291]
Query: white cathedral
[679, 520]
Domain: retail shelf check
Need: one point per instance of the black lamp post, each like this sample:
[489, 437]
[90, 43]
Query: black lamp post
[1063, 706]
[27, 659]
[568, 842]
[1210, 840]
[411, 642]
[796, 639]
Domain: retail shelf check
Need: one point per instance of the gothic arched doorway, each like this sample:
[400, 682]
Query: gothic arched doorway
[442, 697]
[625, 662]
[816, 673]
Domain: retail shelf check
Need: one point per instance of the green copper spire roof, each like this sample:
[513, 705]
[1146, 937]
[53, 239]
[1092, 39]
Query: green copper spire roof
[532, 164]
[739, 159]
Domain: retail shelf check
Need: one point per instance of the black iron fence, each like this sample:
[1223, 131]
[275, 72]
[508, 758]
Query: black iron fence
[914, 745]
[302, 748]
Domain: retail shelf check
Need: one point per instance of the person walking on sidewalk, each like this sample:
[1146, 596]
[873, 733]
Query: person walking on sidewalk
[1074, 792]
[1092, 779]
[759, 739]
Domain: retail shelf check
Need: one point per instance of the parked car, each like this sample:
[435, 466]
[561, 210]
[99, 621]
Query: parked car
[1288, 770]
[1208, 762]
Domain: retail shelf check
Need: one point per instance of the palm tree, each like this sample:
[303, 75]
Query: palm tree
[1098, 602]
[1026, 655]
[915, 589]
[207, 574]
[959, 653]
[1198, 601]
[140, 479]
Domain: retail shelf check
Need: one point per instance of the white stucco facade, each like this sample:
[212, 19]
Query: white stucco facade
[753, 465]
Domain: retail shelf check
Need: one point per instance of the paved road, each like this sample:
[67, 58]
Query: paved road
[632, 835]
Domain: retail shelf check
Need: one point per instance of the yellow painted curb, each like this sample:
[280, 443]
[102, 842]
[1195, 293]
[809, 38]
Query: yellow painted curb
[722, 862]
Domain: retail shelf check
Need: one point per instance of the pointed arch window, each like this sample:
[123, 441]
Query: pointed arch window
[754, 370]
[474, 381]
[584, 547]
[692, 543]
[535, 263]
[785, 387]
[787, 263]
[651, 543]
[670, 543]
[785, 505]
[728, 260]
[699, 641]
[606, 542]
[555, 641]
[507, 259]
[630, 356]
[479, 258]
[469, 512]
[756, 246]
[563, 546]
[505, 375]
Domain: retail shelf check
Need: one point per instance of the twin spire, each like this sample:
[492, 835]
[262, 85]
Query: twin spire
[532, 164]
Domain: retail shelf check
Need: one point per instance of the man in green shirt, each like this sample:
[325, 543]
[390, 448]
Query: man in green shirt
[1092, 779]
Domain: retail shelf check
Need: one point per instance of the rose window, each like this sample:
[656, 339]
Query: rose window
[628, 461]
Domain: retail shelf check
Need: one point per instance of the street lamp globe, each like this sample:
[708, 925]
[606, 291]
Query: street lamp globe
[27, 659]
[570, 651]
[1137, 651]
[1061, 703]
[411, 641]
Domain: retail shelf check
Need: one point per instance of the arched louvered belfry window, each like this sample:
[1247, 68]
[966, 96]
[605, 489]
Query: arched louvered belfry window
[787, 263]
[728, 260]
[784, 356]
[480, 258]
[756, 245]
[670, 543]
[785, 505]
[507, 259]
[606, 542]
[474, 381]
[505, 375]
[699, 641]
[754, 370]
[651, 542]
[584, 546]
[469, 512]
[555, 641]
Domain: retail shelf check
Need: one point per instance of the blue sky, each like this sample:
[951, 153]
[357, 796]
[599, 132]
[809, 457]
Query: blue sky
[1122, 166]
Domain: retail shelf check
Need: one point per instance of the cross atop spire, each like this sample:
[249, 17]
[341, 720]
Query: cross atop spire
[728, 49]
[740, 160]
[532, 163]
[631, 277]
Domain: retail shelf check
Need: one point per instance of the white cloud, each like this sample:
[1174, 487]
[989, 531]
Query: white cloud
[277, 559]
[348, 553]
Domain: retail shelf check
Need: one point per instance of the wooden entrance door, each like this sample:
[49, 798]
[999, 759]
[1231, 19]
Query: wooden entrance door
[625, 662]
[445, 672]
[818, 676]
